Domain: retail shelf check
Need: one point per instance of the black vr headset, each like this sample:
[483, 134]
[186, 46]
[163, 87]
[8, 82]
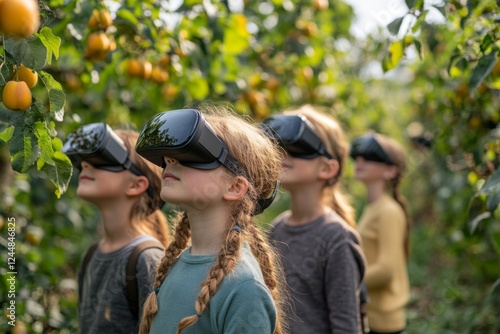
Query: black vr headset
[97, 144]
[296, 136]
[367, 147]
[185, 136]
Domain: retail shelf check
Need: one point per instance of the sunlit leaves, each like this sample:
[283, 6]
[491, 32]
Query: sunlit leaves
[394, 54]
[32, 53]
[57, 98]
[51, 42]
[236, 36]
[484, 66]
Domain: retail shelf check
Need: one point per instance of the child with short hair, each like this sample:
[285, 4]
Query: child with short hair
[125, 188]
[316, 238]
[380, 163]
[219, 274]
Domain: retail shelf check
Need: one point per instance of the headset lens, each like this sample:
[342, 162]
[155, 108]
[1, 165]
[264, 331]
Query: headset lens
[295, 136]
[368, 148]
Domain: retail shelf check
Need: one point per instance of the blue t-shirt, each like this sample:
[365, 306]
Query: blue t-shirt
[242, 303]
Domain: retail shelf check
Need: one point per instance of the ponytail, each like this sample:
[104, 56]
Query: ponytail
[339, 202]
[400, 199]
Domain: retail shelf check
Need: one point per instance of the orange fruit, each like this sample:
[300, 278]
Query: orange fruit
[100, 19]
[98, 46]
[134, 68]
[147, 69]
[170, 92]
[27, 75]
[139, 68]
[158, 75]
[320, 4]
[272, 83]
[16, 95]
[164, 61]
[19, 18]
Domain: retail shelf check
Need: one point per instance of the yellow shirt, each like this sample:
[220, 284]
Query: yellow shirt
[382, 227]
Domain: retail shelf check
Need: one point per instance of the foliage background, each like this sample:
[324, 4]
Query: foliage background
[433, 86]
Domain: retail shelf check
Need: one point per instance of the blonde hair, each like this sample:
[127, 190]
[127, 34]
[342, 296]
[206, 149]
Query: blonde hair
[261, 161]
[332, 135]
[146, 213]
[398, 156]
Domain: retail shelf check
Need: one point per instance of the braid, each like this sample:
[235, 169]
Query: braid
[180, 242]
[397, 196]
[226, 261]
[272, 271]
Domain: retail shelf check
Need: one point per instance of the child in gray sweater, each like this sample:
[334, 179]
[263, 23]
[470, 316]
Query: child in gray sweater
[319, 246]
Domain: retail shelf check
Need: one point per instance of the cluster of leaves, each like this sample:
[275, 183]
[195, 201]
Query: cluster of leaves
[32, 135]
[457, 107]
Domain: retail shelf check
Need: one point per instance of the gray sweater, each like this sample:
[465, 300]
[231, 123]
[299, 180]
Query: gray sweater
[102, 303]
[324, 267]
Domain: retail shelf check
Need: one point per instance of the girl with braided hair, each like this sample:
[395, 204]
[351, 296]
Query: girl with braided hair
[219, 274]
[384, 225]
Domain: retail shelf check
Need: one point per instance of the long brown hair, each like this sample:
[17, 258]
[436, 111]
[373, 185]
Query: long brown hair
[332, 135]
[397, 154]
[261, 161]
[146, 213]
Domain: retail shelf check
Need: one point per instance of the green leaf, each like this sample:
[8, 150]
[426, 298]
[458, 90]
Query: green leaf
[236, 35]
[5, 74]
[44, 141]
[32, 53]
[410, 3]
[57, 98]
[418, 22]
[59, 173]
[475, 222]
[487, 41]
[395, 25]
[198, 87]
[482, 69]
[24, 149]
[6, 132]
[128, 17]
[493, 201]
[495, 239]
[393, 56]
[51, 42]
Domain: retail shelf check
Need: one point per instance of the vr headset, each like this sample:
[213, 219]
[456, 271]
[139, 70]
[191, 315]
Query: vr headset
[367, 147]
[97, 144]
[296, 136]
[185, 136]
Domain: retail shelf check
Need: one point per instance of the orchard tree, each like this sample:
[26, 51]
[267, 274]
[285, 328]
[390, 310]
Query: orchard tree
[121, 62]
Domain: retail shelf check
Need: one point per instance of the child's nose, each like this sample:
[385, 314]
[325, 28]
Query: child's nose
[85, 164]
[170, 161]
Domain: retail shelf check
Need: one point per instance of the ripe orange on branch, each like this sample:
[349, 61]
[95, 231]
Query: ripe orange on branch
[100, 19]
[27, 75]
[19, 18]
[98, 46]
[139, 68]
[16, 95]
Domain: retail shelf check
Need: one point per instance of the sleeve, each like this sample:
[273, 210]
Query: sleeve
[391, 230]
[248, 309]
[147, 264]
[342, 280]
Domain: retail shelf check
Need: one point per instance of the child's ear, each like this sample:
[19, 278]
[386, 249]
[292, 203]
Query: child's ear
[237, 189]
[329, 169]
[139, 185]
[391, 172]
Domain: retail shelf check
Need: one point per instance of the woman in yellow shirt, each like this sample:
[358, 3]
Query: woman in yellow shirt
[384, 228]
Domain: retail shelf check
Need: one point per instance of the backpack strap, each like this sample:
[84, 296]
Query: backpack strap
[131, 287]
[88, 257]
